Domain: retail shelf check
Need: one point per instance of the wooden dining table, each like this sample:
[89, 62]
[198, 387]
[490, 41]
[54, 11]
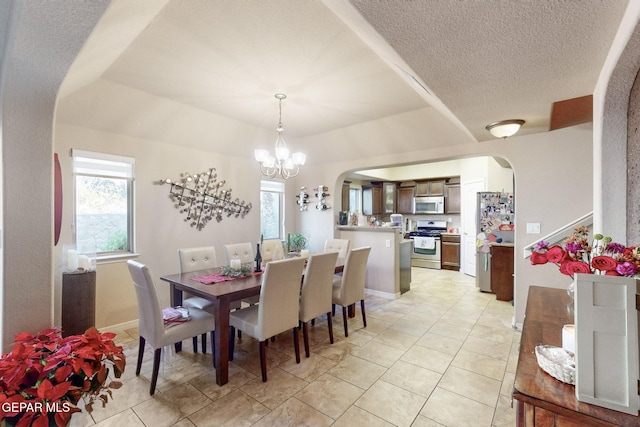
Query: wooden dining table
[221, 294]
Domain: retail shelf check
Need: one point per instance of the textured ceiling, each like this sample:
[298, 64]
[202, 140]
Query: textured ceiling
[455, 65]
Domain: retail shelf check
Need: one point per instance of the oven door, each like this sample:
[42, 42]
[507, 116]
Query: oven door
[426, 252]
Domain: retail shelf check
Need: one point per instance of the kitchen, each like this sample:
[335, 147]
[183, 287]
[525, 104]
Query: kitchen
[437, 202]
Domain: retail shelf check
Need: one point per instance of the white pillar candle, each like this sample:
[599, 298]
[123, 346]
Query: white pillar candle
[84, 262]
[569, 338]
[304, 253]
[236, 264]
[72, 260]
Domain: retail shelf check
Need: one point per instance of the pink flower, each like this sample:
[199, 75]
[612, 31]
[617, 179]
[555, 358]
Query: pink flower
[626, 269]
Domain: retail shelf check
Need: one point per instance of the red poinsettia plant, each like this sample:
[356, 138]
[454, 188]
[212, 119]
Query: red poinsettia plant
[602, 256]
[45, 375]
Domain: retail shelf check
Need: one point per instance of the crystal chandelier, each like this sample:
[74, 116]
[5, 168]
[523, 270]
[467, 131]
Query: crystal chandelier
[283, 163]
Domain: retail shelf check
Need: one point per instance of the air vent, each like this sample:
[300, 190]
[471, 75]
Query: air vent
[414, 80]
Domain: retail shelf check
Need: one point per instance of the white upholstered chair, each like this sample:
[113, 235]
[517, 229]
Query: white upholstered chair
[194, 259]
[337, 245]
[349, 288]
[315, 295]
[271, 250]
[241, 251]
[151, 324]
[277, 310]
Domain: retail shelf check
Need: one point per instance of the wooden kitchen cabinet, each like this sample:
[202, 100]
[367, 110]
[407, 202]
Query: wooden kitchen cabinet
[389, 195]
[346, 188]
[450, 251]
[502, 271]
[371, 200]
[405, 200]
[452, 199]
[430, 188]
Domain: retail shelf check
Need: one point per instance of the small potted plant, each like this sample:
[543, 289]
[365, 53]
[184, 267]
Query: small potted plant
[297, 242]
[45, 375]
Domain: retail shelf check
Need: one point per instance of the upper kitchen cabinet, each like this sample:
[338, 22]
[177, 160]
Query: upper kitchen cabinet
[430, 188]
[452, 196]
[371, 199]
[389, 194]
[405, 198]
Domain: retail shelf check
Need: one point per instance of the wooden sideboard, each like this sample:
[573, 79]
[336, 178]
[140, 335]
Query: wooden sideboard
[541, 399]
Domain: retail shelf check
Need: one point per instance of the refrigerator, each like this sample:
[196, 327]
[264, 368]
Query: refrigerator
[495, 222]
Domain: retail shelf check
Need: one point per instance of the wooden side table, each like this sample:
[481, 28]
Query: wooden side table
[78, 302]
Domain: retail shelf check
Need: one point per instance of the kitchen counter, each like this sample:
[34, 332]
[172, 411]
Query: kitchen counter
[397, 229]
[384, 264]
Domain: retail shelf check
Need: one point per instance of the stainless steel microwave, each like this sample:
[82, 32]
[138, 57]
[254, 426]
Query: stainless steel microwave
[428, 205]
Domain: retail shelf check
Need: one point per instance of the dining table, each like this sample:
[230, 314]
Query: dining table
[221, 294]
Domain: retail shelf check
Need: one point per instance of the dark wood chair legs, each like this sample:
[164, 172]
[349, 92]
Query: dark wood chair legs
[364, 318]
[296, 344]
[141, 344]
[194, 340]
[330, 325]
[156, 367]
[263, 360]
[305, 338]
[344, 320]
[232, 342]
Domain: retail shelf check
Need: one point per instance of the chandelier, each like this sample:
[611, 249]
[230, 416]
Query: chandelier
[283, 164]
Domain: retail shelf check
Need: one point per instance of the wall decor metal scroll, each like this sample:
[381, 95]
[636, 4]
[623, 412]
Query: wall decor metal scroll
[202, 198]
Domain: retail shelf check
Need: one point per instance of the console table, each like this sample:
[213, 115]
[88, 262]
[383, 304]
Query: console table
[541, 399]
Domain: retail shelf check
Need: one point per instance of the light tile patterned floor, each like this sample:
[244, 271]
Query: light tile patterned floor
[443, 354]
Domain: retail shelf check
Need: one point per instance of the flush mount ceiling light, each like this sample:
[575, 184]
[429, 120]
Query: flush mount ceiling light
[282, 164]
[505, 128]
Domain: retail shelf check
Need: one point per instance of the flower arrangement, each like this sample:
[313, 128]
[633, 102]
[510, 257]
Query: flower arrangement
[233, 272]
[45, 375]
[603, 256]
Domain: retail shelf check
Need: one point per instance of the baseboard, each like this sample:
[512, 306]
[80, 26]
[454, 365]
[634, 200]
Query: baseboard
[120, 327]
[387, 295]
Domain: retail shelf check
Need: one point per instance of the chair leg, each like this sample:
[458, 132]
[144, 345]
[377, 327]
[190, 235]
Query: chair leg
[305, 338]
[330, 325]
[263, 360]
[232, 342]
[313, 322]
[296, 344]
[141, 344]
[239, 334]
[333, 309]
[344, 320]
[204, 344]
[156, 368]
[195, 344]
[364, 318]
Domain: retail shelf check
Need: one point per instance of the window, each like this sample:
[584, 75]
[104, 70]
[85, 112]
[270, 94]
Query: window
[354, 199]
[103, 205]
[272, 209]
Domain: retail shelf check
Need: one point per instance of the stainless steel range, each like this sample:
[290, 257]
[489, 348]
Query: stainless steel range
[426, 243]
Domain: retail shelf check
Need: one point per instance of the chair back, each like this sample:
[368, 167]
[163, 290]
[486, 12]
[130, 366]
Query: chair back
[353, 276]
[241, 251]
[272, 250]
[194, 259]
[150, 322]
[337, 245]
[279, 297]
[317, 285]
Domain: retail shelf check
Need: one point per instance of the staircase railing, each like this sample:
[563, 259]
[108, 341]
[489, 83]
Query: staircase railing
[561, 233]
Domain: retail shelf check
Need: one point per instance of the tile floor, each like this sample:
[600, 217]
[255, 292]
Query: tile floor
[443, 354]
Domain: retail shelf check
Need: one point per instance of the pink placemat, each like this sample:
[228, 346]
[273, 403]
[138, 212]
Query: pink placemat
[217, 278]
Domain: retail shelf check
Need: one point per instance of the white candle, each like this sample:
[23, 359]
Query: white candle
[72, 260]
[84, 262]
[569, 338]
[304, 253]
[236, 264]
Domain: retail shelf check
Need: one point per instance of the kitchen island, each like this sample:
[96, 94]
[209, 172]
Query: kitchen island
[384, 276]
